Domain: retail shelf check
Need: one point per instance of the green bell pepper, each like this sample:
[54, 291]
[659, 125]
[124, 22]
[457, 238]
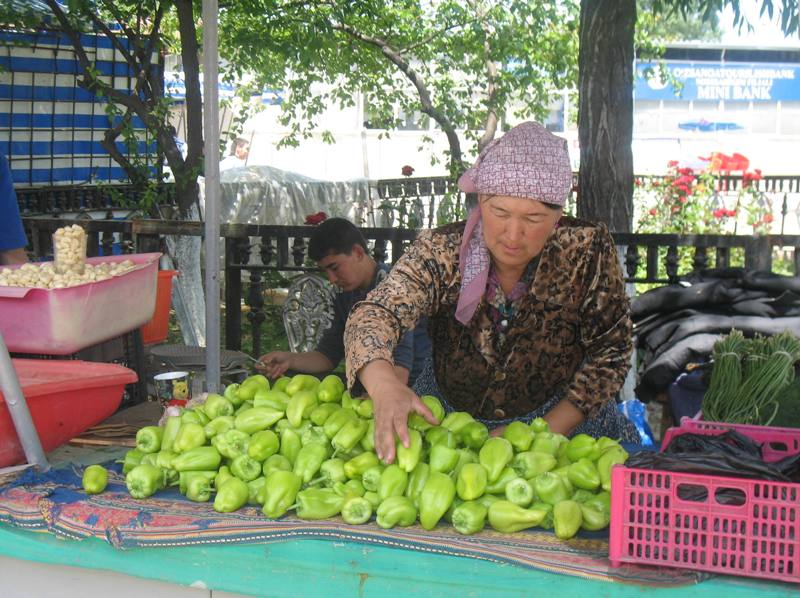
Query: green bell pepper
[563, 473]
[349, 488]
[198, 485]
[365, 408]
[302, 382]
[290, 445]
[407, 458]
[583, 474]
[550, 488]
[314, 435]
[396, 511]
[256, 419]
[371, 478]
[471, 481]
[455, 420]
[217, 405]
[218, 425]
[193, 416]
[337, 420]
[185, 476]
[200, 458]
[507, 518]
[322, 412]
[435, 499]
[300, 406]
[232, 443]
[245, 468]
[448, 516]
[318, 503]
[231, 496]
[95, 479]
[545, 442]
[256, 491]
[520, 435]
[439, 435]
[332, 471]
[231, 393]
[474, 435]
[416, 481]
[171, 428]
[580, 495]
[495, 454]
[131, 459]
[165, 459]
[368, 440]
[465, 456]
[488, 499]
[604, 443]
[348, 402]
[276, 463]
[593, 517]
[499, 485]
[581, 445]
[222, 476]
[263, 445]
[356, 510]
[469, 517]
[281, 492]
[274, 399]
[529, 464]
[281, 383]
[567, 519]
[148, 439]
[350, 435]
[373, 499]
[520, 492]
[612, 456]
[442, 458]
[419, 423]
[191, 435]
[547, 522]
[355, 467]
[330, 389]
[144, 480]
[540, 425]
[393, 482]
[250, 385]
[309, 460]
[602, 500]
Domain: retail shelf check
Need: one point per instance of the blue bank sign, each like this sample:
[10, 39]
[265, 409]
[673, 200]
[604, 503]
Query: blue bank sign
[732, 81]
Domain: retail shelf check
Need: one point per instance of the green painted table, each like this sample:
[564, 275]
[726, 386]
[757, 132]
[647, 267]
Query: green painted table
[321, 568]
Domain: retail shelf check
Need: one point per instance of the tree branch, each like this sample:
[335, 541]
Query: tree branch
[426, 103]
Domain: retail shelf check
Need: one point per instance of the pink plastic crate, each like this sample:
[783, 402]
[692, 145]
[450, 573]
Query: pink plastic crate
[63, 321]
[64, 398]
[653, 521]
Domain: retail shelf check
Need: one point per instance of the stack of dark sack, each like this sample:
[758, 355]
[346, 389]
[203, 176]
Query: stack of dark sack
[676, 326]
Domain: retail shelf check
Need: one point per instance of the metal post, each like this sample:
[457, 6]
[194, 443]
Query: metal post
[18, 408]
[212, 191]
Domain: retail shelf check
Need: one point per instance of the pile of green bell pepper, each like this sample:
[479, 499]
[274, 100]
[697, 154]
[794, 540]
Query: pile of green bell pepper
[307, 446]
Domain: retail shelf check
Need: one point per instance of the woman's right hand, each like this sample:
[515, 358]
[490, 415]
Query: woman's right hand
[393, 402]
[275, 364]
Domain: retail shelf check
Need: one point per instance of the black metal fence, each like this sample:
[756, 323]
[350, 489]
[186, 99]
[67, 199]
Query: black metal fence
[251, 252]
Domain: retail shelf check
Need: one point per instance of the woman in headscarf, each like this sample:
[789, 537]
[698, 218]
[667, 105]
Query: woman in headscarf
[526, 307]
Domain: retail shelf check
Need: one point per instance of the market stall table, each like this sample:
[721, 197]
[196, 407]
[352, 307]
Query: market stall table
[296, 567]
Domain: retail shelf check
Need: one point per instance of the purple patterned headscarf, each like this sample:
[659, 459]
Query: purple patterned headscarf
[527, 162]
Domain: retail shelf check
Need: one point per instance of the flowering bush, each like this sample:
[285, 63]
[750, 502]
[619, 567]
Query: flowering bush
[407, 170]
[689, 201]
[314, 219]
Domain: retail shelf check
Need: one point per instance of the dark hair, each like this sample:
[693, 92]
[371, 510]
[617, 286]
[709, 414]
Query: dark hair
[332, 236]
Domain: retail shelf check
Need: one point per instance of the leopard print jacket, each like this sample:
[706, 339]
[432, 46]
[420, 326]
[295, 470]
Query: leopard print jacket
[570, 335]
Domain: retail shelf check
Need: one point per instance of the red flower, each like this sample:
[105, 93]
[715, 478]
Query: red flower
[720, 213]
[652, 211]
[730, 213]
[407, 170]
[672, 163]
[768, 218]
[686, 171]
[314, 219]
[638, 182]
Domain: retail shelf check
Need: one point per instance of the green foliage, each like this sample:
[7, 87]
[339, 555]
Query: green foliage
[460, 63]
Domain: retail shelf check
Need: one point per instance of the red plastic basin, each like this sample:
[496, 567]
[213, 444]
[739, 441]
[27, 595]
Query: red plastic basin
[65, 398]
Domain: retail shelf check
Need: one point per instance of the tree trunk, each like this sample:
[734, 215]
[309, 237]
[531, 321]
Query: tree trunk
[605, 123]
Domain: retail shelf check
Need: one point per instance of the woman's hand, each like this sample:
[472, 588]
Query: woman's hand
[393, 401]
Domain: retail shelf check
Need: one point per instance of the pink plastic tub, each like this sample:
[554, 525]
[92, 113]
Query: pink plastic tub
[63, 321]
[656, 520]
